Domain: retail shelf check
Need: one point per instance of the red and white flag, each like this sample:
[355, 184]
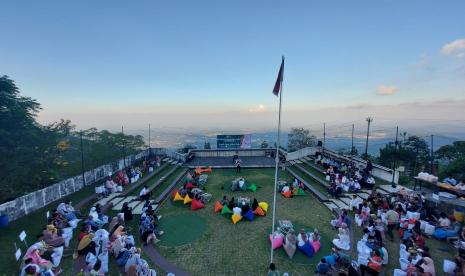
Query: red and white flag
[279, 80]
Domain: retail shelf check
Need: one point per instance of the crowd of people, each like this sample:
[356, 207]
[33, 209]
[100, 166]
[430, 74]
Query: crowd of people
[98, 238]
[345, 176]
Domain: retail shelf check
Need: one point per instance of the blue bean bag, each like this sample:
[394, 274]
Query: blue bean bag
[307, 249]
[249, 215]
[442, 233]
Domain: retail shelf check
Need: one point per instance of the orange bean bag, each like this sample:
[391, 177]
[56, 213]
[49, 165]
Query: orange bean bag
[287, 194]
[259, 212]
[196, 204]
[218, 207]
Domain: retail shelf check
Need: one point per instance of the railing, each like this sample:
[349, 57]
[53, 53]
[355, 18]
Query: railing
[26, 204]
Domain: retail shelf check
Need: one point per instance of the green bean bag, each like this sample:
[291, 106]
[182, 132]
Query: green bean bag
[226, 210]
[252, 187]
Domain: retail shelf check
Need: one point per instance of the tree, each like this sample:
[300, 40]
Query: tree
[300, 138]
[452, 152]
[264, 144]
[453, 157]
[413, 153]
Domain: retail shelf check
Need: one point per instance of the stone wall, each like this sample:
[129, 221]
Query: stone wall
[26, 204]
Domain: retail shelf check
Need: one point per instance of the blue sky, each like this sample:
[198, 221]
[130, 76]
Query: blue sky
[118, 59]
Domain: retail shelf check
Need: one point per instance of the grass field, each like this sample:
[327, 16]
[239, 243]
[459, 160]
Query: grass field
[243, 249]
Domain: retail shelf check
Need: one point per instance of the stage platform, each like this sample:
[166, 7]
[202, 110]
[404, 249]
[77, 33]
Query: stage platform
[227, 162]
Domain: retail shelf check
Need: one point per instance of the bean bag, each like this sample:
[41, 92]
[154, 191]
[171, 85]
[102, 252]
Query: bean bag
[307, 249]
[276, 240]
[300, 192]
[290, 249]
[196, 204]
[178, 197]
[218, 207]
[236, 218]
[244, 187]
[316, 245]
[264, 206]
[252, 187]
[189, 185]
[259, 212]
[442, 233]
[249, 215]
[287, 194]
[187, 199]
[226, 210]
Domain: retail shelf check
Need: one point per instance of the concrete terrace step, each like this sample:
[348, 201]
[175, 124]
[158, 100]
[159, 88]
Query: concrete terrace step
[390, 189]
[173, 184]
[307, 158]
[345, 200]
[339, 203]
[316, 178]
[107, 199]
[119, 205]
[138, 209]
[292, 162]
[317, 193]
[331, 206]
[165, 159]
[297, 161]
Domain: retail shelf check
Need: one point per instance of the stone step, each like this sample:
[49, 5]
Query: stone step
[133, 204]
[307, 158]
[165, 159]
[298, 161]
[292, 162]
[363, 195]
[119, 205]
[138, 209]
[116, 200]
[331, 206]
[340, 203]
[345, 200]
[105, 200]
[390, 189]
[350, 195]
[174, 162]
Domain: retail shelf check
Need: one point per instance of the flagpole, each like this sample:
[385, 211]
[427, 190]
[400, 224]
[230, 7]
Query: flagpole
[277, 158]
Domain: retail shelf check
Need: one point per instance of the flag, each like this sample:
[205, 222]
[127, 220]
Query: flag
[279, 80]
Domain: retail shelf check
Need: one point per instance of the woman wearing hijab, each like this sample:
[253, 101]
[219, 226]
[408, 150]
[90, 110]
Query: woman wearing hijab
[290, 243]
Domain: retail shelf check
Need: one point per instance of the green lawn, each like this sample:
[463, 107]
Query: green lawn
[243, 249]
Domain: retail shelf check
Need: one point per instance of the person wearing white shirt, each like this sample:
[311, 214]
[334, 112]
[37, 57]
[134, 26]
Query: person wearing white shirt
[144, 193]
[241, 182]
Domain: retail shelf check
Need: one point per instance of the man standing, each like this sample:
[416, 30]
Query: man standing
[392, 218]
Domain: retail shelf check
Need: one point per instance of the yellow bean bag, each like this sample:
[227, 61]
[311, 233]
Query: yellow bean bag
[236, 218]
[178, 197]
[187, 199]
[264, 206]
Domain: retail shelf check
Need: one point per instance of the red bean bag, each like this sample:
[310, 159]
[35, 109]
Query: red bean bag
[259, 212]
[287, 194]
[189, 185]
[218, 207]
[196, 204]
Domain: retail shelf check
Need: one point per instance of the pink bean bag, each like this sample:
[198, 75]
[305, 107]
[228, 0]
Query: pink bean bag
[316, 245]
[276, 240]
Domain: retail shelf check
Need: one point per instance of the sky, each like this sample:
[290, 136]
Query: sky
[213, 64]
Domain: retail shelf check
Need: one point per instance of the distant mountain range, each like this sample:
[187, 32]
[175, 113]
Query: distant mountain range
[375, 143]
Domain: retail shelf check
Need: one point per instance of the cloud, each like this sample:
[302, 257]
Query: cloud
[258, 108]
[455, 48]
[386, 90]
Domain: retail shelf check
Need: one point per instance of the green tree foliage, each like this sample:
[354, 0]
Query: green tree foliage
[453, 157]
[413, 153]
[299, 138]
[33, 156]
